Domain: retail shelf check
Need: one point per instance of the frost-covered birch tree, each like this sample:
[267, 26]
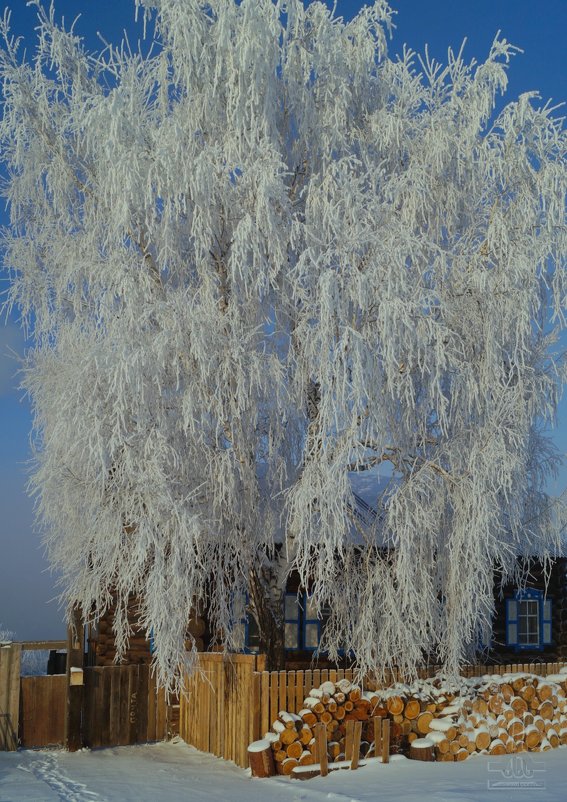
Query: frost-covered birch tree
[256, 257]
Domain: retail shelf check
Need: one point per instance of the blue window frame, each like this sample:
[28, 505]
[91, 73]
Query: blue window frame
[302, 626]
[311, 626]
[528, 620]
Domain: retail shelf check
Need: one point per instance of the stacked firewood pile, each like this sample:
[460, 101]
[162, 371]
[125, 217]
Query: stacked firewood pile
[494, 715]
[438, 719]
[293, 741]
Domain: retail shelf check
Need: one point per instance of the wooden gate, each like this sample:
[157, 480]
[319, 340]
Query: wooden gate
[42, 710]
[122, 706]
[10, 655]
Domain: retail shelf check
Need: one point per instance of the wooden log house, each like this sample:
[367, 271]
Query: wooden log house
[529, 626]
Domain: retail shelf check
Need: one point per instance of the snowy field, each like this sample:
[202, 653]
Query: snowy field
[175, 772]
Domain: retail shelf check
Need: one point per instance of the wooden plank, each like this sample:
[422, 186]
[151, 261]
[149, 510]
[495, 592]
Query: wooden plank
[274, 696]
[217, 700]
[242, 703]
[299, 693]
[94, 706]
[227, 716]
[386, 740]
[256, 731]
[132, 704]
[114, 706]
[152, 705]
[282, 700]
[357, 735]
[316, 678]
[10, 658]
[349, 734]
[266, 723]
[307, 682]
[87, 676]
[161, 719]
[106, 705]
[321, 741]
[123, 737]
[75, 659]
[34, 645]
[233, 714]
[218, 673]
[377, 736]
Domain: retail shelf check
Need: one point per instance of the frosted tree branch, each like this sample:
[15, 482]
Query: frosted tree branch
[257, 258]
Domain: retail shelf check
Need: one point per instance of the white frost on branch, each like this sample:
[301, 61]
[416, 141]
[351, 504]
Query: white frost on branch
[255, 258]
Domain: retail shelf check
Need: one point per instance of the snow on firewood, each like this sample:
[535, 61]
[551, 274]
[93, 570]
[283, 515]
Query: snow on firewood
[435, 719]
[259, 746]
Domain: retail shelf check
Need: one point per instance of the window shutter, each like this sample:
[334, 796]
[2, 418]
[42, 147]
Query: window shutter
[547, 630]
[511, 622]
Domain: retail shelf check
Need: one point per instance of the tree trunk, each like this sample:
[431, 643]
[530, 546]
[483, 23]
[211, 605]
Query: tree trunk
[273, 647]
[267, 603]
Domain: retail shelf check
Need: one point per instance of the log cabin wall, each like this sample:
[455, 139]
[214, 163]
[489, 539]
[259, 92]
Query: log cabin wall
[501, 652]
[102, 649]
[102, 642]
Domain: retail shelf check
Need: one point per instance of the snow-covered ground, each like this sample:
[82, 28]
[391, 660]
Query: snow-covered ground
[175, 772]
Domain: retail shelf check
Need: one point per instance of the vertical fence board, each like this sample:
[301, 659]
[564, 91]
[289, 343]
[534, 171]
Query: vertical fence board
[10, 657]
[114, 713]
[274, 677]
[106, 696]
[299, 692]
[256, 731]
[308, 681]
[152, 700]
[282, 700]
[265, 702]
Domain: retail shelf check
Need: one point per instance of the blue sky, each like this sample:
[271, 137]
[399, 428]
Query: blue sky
[27, 592]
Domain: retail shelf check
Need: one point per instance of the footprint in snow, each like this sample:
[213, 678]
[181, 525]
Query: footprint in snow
[47, 769]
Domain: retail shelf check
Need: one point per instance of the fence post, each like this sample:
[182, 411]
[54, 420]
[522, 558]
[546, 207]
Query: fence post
[386, 740]
[75, 659]
[10, 656]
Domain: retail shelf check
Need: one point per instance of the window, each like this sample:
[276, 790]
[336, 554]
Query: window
[302, 627]
[311, 626]
[528, 620]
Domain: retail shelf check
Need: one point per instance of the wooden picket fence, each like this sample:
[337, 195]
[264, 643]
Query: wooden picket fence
[119, 705]
[221, 713]
[232, 702]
